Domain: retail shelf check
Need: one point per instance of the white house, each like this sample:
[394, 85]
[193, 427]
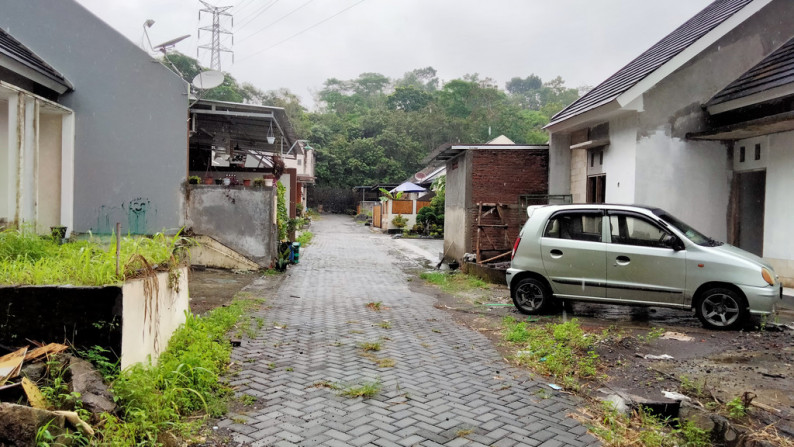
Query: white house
[700, 125]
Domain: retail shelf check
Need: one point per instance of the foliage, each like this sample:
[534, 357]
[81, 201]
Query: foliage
[101, 359]
[305, 238]
[736, 408]
[454, 282]
[282, 217]
[562, 350]
[399, 221]
[184, 383]
[194, 180]
[26, 258]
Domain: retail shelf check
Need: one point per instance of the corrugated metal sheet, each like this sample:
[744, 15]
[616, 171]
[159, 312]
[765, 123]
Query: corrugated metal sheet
[776, 70]
[667, 48]
[13, 49]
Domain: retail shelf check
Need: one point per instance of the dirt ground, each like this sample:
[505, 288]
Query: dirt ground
[724, 364]
[211, 288]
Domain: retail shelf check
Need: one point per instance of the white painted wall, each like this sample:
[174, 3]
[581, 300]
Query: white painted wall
[149, 321]
[48, 188]
[5, 175]
[619, 160]
[779, 214]
[690, 179]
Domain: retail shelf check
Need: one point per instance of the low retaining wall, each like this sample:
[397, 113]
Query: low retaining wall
[135, 320]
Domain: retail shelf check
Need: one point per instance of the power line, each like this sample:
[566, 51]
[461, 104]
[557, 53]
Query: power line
[276, 21]
[257, 13]
[304, 30]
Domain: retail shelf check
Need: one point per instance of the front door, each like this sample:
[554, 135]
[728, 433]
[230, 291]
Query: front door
[642, 268]
[751, 197]
[573, 254]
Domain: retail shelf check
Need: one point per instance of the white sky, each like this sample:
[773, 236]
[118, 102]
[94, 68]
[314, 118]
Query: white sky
[584, 41]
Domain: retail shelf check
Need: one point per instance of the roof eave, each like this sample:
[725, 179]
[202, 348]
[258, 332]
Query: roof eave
[598, 113]
[56, 85]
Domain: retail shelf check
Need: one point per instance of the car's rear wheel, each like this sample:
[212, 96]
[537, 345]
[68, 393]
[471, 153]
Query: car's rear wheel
[531, 296]
[721, 308]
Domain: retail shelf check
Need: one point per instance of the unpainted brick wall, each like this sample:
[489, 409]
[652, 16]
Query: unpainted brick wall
[501, 176]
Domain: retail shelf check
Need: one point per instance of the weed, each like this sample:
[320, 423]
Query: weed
[694, 436]
[247, 399]
[337, 343]
[454, 282]
[652, 335]
[692, 387]
[736, 408]
[385, 363]
[385, 324]
[364, 389]
[543, 393]
[99, 357]
[289, 369]
[326, 384]
[250, 360]
[562, 350]
[355, 331]
[425, 345]
[370, 346]
[436, 331]
[462, 433]
[271, 365]
[239, 420]
[375, 305]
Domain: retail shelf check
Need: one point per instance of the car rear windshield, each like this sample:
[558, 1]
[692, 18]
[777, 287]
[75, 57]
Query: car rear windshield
[691, 233]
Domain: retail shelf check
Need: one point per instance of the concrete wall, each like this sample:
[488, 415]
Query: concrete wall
[458, 194]
[560, 164]
[5, 165]
[238, 217]
[779, 213]
[620, 160]
[130, 132]
[149, 319]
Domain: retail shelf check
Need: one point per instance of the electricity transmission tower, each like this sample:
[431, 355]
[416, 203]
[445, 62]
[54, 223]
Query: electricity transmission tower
[215, 44]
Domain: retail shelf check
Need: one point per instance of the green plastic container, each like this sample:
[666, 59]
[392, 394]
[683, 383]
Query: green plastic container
[296, 249]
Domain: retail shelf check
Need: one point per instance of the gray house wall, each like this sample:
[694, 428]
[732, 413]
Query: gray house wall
[458, 194]
[130, 117]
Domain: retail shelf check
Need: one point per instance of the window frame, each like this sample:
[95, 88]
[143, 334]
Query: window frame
[582, 212]
[642, 217]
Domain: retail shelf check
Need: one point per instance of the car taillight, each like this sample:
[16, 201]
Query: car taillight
[515, 247]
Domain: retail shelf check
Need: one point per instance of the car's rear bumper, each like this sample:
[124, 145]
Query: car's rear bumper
[763, 300]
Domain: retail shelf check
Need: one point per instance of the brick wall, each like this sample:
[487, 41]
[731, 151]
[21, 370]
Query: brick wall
[501, 176]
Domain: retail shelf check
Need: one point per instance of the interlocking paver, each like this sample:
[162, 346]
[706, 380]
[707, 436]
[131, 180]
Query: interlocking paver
[447, 379]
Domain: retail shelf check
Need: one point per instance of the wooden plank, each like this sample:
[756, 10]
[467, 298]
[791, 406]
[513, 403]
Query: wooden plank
[479, 229]
[497, 257]
[52, 348]
[11, 364]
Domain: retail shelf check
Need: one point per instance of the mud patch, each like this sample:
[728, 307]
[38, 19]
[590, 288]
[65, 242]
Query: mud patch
[211, 288]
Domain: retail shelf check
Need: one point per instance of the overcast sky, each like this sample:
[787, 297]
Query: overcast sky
[298, 44]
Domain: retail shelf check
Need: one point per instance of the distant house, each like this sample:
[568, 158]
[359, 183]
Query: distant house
[92, 129]
[701, 125]
[488, 188]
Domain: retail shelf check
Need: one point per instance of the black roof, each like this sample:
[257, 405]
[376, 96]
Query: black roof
[667, 48]
[15, 50]
[775, 70]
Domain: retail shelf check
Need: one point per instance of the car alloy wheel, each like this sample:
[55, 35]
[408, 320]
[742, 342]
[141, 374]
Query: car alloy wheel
[721, 309]
[531, 296]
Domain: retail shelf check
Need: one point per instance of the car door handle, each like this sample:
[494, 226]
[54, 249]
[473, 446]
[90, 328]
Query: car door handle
[622, 260]
[556, 253]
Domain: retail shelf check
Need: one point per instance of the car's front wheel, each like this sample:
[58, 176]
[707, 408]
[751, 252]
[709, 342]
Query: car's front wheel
[721, 308]
[531, 296]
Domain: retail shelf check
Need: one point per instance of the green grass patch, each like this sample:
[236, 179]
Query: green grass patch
[364, 389]
[26, 258]
[184, 387]
[455, 282]
[370, 346]
[561, 350]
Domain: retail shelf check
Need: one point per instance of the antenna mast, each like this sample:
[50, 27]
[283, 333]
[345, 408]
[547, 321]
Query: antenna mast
[215, 45]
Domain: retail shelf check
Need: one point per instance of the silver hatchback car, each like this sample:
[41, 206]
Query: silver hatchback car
[621, 254]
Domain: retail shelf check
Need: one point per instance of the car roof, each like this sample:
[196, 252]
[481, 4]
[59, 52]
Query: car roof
[611, 206]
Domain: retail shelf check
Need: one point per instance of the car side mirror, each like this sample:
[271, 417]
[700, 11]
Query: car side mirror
[673, 242]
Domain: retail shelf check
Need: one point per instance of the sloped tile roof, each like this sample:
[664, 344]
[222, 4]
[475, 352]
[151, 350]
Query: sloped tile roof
[775, 70]
[683, 36]
[13, 49]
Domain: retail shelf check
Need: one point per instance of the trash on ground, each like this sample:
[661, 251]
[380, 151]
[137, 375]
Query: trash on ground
[670, 335]
[35, 398]
[11, 364]
[554, 386]
[657, 357]
[675, 396]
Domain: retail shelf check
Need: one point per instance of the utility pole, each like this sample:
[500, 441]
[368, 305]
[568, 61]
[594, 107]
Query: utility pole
[215, 45]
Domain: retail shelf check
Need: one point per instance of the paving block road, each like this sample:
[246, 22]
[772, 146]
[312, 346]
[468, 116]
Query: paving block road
[447, 386]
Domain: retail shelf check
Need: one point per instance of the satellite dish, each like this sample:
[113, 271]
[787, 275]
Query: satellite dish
[420, 176]
[170, 43]
[208, 79]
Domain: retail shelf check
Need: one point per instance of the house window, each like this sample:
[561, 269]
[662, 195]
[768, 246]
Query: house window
[741, 154]
[596, 188]
[757, 151]
[300, 161]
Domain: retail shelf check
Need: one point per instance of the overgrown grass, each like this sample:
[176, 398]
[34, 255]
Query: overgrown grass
[454, 282]
[561, 350]
[183, 388]
[26, 258]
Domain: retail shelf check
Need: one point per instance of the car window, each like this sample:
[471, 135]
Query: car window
[575, 225]
[634, 230]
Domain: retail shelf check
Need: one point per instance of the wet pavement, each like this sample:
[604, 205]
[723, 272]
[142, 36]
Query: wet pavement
[440, 382]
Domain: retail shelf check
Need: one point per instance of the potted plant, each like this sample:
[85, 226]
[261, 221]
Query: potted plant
[259, 182]
[194, 180]
[218, 181]
[208, 180]
[399, 221]
[246, 182]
